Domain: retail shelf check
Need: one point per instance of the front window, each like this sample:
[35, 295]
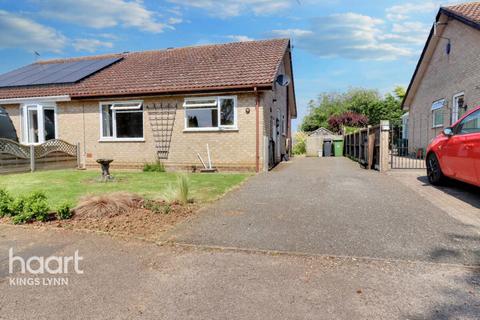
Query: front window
[437, 113]
[122, 120]
[210, 113]
[471, 124]
[38, 123]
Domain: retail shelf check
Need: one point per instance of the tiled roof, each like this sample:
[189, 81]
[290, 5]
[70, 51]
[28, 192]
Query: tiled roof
[202, 68]
[470, 10]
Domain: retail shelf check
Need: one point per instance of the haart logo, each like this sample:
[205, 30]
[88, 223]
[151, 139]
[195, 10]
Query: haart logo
[36, 265]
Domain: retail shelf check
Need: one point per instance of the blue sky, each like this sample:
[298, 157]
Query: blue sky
[337, 44]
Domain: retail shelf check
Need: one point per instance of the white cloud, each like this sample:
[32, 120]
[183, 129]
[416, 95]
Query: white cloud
[90, 45]
[348, 35]
[240, 38]
[105, 14]
[405, 10]
[19, 32]
[292, 33]
[233, 8]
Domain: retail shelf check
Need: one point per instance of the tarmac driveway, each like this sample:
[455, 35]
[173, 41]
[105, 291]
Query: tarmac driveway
[331, 207]
[350, 244]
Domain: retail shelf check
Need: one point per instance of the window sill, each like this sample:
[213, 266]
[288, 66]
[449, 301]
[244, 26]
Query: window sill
[438, 126]
[122, 140]
[211, 130]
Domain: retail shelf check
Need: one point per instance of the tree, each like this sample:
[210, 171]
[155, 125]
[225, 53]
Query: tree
[366, 102]
[347, 119]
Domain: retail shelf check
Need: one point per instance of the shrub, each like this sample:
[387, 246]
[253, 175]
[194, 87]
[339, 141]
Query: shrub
[16, 206]
[107, 205]
[183, 189]
[157, 207]
[154, 167]
[5, 203]
[64, 212]
[350, 119]
[32, 207]
[300, 146]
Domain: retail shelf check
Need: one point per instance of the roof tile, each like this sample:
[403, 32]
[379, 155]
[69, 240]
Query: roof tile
[469, 10]
[231, 65]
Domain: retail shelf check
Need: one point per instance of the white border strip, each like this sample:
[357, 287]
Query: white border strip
[36, 99]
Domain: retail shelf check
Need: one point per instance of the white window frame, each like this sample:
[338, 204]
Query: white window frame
[455, 109]
[39, 107]
[436, 106]
[119, 109]
[233, 127]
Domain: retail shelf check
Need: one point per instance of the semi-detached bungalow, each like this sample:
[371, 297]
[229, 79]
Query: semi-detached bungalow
[163, 105]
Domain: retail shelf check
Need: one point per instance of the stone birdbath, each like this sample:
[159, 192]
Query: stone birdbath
[105, 164]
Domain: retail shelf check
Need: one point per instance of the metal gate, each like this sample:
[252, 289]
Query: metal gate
[403, 153]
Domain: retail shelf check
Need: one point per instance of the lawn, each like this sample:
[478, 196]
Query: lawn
[69, 185]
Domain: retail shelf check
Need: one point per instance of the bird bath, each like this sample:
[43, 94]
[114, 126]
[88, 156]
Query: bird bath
[105, 164]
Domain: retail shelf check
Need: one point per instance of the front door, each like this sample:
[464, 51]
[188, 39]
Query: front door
[32, 125]
[38, 123]
[458, 108]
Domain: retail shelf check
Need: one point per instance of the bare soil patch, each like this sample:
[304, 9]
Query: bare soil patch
[136, 222]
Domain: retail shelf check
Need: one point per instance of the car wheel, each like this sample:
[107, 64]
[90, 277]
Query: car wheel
[434, 172]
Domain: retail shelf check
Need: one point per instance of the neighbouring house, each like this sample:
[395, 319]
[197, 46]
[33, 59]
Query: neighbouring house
[446, 82]
[165, 105]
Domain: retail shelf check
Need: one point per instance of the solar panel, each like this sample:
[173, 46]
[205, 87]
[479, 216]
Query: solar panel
[54, 73]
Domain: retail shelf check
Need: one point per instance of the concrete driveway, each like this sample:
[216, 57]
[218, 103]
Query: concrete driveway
[315, 239]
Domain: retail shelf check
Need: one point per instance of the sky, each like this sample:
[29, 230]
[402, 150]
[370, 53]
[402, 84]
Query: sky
[338, 44]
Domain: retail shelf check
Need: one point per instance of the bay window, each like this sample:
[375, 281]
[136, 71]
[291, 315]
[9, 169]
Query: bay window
[210, 113]
[121, 120]
[39, 123]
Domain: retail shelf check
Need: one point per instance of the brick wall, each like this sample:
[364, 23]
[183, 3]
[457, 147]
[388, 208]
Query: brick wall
[79, 121]
[445, 76]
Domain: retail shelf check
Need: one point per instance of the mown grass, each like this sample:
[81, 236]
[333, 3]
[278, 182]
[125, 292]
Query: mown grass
[70, 185]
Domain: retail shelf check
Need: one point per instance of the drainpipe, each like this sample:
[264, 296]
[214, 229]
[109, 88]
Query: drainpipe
[257, 130]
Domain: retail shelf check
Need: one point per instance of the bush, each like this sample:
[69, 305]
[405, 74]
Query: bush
[107, 205]
[64, 212]
[16, 206]
[157, 207]
[32, 207]
[5, 203]
[350, 119]
[154, 167]
[300, 146]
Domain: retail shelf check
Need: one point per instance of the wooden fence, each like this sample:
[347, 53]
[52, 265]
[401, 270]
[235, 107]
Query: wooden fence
[53, 154]
[363, 146]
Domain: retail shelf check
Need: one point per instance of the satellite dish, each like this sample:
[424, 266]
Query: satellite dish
[283, 80]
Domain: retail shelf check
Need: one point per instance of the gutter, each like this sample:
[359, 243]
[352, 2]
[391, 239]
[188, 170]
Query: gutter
[36, 99]
[257, 131]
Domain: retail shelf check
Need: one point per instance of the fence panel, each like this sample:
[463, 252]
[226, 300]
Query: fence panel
[363, 146]
[53, 154]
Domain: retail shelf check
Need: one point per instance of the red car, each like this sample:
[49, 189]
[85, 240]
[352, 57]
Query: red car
[455, 153]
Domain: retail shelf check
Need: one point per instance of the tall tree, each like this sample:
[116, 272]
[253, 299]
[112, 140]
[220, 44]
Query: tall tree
[366, 102]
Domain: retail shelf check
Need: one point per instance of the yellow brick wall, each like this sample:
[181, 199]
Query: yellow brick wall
[79, 121]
